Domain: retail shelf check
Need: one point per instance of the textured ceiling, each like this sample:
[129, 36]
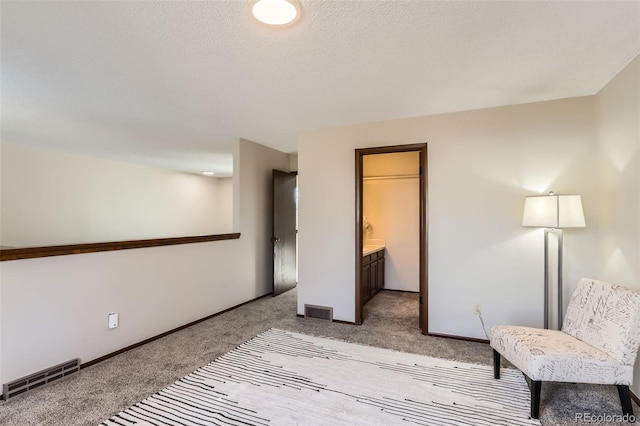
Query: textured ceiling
[175, 83]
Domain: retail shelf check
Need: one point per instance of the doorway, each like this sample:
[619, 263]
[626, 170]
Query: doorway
[421, 150]
[285, 231]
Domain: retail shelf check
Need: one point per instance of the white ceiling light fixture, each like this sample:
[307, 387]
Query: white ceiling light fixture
[276, 12]
[207, 173]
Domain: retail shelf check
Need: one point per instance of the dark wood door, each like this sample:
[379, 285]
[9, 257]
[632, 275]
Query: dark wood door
[284, 231]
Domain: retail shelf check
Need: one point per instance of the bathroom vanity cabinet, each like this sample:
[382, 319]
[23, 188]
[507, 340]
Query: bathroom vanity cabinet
[372, 276]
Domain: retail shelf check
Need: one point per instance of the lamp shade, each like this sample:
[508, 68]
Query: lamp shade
[553, 211]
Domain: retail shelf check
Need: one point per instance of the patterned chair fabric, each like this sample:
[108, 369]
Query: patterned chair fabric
[554, 356]
[607, 317]
[598, 343]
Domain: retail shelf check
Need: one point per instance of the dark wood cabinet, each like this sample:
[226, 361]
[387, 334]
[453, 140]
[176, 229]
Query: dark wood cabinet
[365, 280]
[380, 280]
[372, 276]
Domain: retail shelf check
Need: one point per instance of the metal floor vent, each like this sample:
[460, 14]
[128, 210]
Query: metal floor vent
[320, 312]
[40, 378]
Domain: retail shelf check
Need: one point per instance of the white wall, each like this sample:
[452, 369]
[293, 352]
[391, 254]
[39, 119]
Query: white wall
[481, 165]
[54, 309]
[392, 207]
[52, 197]
[393, 164]
[224, 206]
[293, 162]
[617, 108]
[256, 211]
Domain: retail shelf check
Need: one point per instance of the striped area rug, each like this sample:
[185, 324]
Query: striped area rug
[285, 378]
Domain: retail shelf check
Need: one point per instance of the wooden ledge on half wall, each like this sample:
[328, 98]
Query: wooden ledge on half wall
[61, 250]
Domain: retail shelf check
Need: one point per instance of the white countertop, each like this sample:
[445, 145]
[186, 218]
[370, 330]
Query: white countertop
[368, 249]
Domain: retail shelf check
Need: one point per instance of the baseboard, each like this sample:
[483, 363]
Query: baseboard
[401, 291]
[635, 397]
[345, 322]
[166, 333]
[445, 336]
[466, 339]
[335, 320]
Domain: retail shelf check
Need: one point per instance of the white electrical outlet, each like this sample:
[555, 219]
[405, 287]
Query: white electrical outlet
[113, 320]
[477, 308]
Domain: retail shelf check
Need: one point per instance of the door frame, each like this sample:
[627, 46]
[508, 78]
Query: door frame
[421, 148]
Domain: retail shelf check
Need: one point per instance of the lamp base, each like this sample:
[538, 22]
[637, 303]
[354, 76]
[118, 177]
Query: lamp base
[555, 296]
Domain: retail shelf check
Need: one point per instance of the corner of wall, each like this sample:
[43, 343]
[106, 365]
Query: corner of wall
[617, 132]
[293, 162]
[236, 186]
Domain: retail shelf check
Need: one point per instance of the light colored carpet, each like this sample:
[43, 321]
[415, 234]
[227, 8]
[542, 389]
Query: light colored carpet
[100, 391]
[285, 378]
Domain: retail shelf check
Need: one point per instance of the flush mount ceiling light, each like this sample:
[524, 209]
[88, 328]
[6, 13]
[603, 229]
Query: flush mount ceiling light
[207, 173]
[276, 12]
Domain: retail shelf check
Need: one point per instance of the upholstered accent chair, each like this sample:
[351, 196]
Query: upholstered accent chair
[598, 343]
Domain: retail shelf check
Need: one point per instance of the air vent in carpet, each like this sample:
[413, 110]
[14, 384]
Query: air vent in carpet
[320, 312]
[40, 378]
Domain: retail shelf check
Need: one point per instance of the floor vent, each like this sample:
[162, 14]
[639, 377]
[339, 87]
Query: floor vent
[40, 378]
[320, 312]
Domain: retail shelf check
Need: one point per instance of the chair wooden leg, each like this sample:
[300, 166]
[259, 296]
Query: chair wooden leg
[625, 400]
[536, 387]
[496, 364]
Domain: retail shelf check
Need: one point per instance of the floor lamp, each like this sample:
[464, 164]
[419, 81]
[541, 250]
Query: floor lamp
[553, 212]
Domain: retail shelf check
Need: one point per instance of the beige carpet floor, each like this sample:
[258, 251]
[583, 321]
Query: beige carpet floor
[391, 321]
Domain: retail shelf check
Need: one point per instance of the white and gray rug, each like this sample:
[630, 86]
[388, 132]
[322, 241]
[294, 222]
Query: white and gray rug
[286, 378]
